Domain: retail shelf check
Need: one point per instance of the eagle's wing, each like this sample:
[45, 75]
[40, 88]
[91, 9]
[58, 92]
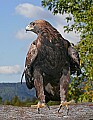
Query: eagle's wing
[28, 71]
[74, 60]
[74, 55]
[31, 55]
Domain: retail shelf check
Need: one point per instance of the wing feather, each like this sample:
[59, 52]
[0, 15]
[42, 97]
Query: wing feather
[31, 55]
[74, 55]
[74, 60]
[28, 71]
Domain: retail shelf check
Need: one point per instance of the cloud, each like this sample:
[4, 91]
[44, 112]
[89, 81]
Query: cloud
[36, 12]
[31, 11]
[16, 69]
[21, 34]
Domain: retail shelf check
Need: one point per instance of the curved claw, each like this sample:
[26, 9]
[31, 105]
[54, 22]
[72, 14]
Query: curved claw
[59, 108]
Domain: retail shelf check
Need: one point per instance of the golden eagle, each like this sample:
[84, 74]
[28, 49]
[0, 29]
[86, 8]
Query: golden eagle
[49, 63]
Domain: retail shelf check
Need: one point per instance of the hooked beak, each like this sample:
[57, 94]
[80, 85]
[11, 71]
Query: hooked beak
[28, 28]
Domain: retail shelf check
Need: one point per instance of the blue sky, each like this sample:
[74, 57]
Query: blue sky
[14, 41]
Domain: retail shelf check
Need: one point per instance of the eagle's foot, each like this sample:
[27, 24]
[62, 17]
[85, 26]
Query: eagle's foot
[66, 104]
[41, 105]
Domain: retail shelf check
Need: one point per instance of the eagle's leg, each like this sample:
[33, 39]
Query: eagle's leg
[41, 105]
[38, 83]
[64, 82]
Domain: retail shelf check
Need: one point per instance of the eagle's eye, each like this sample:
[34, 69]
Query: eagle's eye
[32, 23]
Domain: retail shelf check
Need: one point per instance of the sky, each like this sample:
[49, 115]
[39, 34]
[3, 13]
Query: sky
[15, 15]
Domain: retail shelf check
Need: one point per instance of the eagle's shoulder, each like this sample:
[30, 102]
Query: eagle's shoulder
[32, 54]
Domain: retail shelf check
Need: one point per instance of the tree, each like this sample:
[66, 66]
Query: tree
[15, 101]
[85, 47]
[81, 12]
[6, 102]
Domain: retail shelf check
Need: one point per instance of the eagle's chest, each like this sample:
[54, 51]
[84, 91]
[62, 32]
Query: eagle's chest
[51, 57]
[50, 54]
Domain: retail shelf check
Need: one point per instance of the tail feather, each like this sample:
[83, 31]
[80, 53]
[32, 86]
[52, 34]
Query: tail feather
[22, 76]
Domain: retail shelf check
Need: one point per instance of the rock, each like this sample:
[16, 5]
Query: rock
[76, 112]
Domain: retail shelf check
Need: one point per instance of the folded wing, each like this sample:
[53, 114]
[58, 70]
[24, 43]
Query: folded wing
[28, 71]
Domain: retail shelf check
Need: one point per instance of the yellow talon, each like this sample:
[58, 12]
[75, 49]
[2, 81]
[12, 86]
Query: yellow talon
[34, 106]
[40, 105]
[65, 103]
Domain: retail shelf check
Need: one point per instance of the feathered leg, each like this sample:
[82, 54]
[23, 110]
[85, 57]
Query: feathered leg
[38, 83]
[64, 82]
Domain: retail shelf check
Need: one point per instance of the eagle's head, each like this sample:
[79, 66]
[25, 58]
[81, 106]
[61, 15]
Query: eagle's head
[38, 26]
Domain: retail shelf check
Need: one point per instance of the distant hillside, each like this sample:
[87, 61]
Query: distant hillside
[9, 90]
